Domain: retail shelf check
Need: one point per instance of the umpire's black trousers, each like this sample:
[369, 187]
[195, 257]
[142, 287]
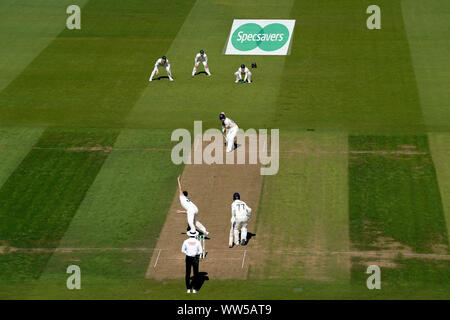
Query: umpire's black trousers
[191, 262]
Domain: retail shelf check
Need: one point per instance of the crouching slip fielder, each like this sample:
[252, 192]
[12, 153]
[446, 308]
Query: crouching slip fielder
[240, 71]
[240, 214]
[191, 210]
[203, 58]
[161, 62]
[230, 128]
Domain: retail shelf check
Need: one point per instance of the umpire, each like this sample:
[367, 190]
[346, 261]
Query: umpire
[192, 248]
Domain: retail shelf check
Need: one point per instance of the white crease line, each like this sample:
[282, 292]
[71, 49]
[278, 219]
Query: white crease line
[243, 259]
[204, 260]
[381, 253]
[197, 145]
[157, 258]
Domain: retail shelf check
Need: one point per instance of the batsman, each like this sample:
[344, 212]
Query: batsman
[240, 214]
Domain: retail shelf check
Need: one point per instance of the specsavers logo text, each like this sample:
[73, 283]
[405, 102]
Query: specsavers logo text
[260, 37]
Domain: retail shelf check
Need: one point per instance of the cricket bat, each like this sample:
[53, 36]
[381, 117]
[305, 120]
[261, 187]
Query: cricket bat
[230, 241]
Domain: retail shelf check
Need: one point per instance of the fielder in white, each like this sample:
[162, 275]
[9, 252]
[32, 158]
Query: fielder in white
[240, 71]
[161, 62]
[203, 58]
[230, 128]
[190, 209]
[240, 214]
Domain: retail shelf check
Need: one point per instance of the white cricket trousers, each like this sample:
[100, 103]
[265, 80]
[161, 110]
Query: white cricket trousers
[231, 134]
[204, 65]
[156, 71]
[238, 75]
[193, 222]
[240, 225]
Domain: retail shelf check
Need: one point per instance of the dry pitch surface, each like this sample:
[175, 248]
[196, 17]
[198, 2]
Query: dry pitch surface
[211, 188]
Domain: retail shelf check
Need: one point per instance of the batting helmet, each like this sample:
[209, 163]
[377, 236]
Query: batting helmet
[164, 57]
[242, 66]
[202, 52]
[236, 196]
[221, 116]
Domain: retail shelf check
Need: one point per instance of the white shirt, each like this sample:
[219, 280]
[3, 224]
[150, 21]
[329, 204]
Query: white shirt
[245, 70]
[240, 210]
[200, 58]
[229, 124]
[160, 63]
[192, 247]
[188, 205]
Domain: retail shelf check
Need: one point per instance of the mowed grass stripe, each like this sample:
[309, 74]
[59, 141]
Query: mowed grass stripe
[440, 151]
[125, 207]
[92, 77]
[304, 207]
[26, 28]
[427, 25]
[144, 26]
[342, 76]
[15, 143]
[44, 191]
[394, 199]
[41, 196]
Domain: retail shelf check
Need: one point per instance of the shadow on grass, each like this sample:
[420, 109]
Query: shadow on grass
[200, 72]
[201, 278]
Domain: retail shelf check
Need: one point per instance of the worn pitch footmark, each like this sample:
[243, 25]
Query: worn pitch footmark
[211, 188]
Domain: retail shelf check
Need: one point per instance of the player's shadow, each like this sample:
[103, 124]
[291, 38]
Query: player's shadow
[201, 278]
[161, 77]
[200, 72]
[250, 236]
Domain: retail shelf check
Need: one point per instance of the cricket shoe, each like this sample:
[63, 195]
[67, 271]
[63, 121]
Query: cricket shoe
[194, 291]
[188, 291]
[236, 81]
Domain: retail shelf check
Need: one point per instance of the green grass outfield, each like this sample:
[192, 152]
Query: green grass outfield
[85, 144]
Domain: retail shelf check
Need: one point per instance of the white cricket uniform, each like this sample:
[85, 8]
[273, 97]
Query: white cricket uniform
[240, 71]
[199, 58]
[232, 130]
[191, 214]
[192, 247]
[240, 214]
[160, 63]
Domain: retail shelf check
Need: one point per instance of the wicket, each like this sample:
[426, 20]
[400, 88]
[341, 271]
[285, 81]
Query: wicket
[203, 243]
